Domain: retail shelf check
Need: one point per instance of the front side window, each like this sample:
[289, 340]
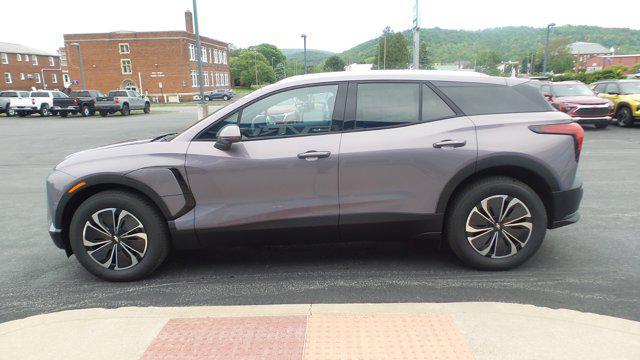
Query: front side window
[123, 48]
[387, 104]
[612, 88]
[125, 65]
[301, 111]
[7, 78]
[600, 88]
[5, 58]
[212, 132]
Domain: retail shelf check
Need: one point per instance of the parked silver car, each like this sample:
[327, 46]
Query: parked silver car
[484, 161]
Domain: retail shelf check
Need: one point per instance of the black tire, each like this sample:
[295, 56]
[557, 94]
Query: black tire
[601, 126]
[44, 110]
[147, 108]
[153, 224]
[462, 208]
[206, 98]
[85, 111]
[54, 113]
[22, 114]
[225, 98]
[10, 112]
[64, 114]
[104, 113]
[92, 112]
[624, 117]
[125, 110]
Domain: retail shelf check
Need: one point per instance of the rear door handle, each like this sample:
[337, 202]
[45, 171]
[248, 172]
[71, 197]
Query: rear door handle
[450, 144]
[313, 155]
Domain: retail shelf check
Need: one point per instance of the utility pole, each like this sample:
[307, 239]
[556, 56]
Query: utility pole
[546, 49]
[416, 37]
[304, 37]
[84, 84]
[198, 51]
[384, 59]
[255, 54]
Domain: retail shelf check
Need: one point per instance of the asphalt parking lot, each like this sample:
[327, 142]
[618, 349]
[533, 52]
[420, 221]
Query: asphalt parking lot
[592, 266]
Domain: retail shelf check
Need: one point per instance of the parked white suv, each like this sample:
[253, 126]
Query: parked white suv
[39, 101]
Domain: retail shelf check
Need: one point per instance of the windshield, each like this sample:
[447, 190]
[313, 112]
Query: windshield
[630, 87]
[571, 90]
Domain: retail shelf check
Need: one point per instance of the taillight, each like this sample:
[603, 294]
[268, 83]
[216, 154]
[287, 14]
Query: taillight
[75, 101]
[572, 129]
[33, 101]
[116, 100]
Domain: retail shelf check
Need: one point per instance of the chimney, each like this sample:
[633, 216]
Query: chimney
[188, 20]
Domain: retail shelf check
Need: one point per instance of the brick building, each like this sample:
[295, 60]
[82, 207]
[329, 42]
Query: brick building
[161, 64]
[600, 62]
[25, 68]
[583, 51]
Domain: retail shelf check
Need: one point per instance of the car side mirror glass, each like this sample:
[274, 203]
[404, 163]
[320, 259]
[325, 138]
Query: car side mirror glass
[227, 136]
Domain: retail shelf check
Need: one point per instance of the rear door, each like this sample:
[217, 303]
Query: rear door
[402, 144]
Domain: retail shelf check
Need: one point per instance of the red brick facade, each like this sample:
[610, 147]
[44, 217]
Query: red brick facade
[603, 61]
[20, 71]
[161, 64]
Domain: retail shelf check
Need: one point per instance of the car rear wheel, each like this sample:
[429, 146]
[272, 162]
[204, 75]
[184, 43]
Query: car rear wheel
[125, 110]
[85, 111]
[9, 111]
[624, 117]
[147, 108]
[44, 111]
[104, 113]
[206, 98]
[496, 223]
[119, 236]
[64, 114]
[225, 98]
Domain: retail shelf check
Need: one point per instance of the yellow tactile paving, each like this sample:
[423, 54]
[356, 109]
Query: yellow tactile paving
[384, 337]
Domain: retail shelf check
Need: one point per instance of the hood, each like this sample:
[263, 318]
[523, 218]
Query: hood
[113, 152]
[582, 100]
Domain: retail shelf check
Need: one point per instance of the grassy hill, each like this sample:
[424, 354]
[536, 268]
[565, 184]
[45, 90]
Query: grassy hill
[314, 57]
[513, 43]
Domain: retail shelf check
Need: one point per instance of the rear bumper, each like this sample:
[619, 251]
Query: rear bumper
[565, 206]
[606, 120]
[68, 108]
[108, 107]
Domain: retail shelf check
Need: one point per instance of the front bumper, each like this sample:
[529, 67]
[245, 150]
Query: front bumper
[592, 121]
[56, 184]
[565, 206]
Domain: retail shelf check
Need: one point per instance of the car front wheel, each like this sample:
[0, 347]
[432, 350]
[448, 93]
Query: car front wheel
[119, 236]
[624, 117]
[496, 223]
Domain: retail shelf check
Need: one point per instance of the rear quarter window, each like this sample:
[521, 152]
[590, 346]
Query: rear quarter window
[483, 99]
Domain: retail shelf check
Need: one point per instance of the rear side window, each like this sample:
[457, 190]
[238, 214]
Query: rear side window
[8, 94]
[600, 88]
[433, 107]
[387, 104]
[118, 93]
[612, 88]
[482, 99]
[39, 94]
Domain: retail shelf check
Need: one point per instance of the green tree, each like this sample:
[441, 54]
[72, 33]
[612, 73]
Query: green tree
[334, 63]
[488, 61]
[271, 53]
[249, 68]
[425, 60]
[392, 51]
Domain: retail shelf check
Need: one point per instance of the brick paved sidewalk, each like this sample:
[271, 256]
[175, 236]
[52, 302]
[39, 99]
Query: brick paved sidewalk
[323, 332]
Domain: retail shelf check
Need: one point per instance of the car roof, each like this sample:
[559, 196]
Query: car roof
[400, 75]
[568, 82]
[616, 80]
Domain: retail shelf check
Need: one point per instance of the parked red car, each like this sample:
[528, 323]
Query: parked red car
[579, 102]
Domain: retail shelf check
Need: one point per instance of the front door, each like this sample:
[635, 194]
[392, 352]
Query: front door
[404, 145]
[283, 174]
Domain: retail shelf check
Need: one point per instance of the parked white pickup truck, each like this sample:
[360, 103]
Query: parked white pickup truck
[38, 102]
[5, 99]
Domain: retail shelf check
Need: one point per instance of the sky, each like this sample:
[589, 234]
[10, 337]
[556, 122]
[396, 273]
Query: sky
[334, 25]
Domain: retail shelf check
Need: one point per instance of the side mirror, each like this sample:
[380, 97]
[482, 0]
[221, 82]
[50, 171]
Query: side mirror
[547, 96]
[227, 136]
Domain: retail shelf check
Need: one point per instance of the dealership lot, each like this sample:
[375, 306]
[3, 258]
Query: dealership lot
[592, 266]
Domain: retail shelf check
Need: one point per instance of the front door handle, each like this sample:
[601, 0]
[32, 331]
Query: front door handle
[313, 155]
[449, 144]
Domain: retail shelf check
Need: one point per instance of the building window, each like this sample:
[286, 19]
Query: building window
[123, 48]
[35, 60]
[18, 57]
[65, 78]
[37, 77]
[206, 78]
[226, 79]
[215, 56]
[210, 57]
[22, 76]
[26, 57]
[224, 57]
[204, 54]
[217, 78]
[54, 78]
[194, 78]
[7, 78]
[5, 58]
[125, 64]
[52, 62]
[192, 52]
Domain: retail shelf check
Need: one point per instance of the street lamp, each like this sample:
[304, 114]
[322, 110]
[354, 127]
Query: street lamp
[198, 53]
[84, 84]
[304, 36]
[546, 49]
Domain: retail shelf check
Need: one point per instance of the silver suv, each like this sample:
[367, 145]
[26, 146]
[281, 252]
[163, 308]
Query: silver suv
[484, 162]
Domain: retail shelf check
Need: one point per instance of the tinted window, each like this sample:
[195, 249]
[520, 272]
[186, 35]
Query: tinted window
[24, 93]
[433, 107]
[612, 87]
[212, 132]
[481, 99]
[8, 94]
[39, 94]
[600, 88]
[545, 90]
[387, 104]
[306, 110]
[572, 90]
[631, 87]
[118, 93]
[79, 94]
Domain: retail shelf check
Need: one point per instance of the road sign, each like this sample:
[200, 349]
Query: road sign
[75, 82]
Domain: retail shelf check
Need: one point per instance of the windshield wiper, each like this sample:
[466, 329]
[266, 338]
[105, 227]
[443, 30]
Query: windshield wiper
[162, 137]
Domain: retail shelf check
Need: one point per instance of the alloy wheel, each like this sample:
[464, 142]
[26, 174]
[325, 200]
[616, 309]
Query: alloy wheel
[499, 226]
[115, 239]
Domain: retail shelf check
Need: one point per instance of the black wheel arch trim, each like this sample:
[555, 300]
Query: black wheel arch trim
[506, 160]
